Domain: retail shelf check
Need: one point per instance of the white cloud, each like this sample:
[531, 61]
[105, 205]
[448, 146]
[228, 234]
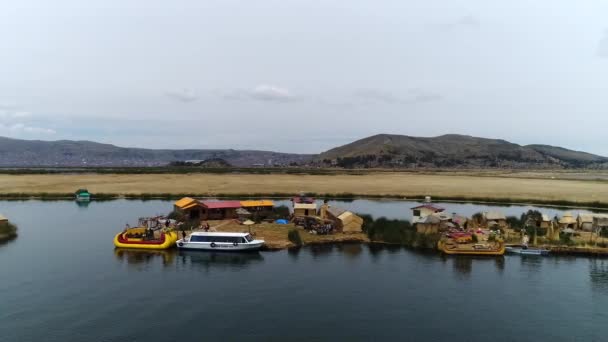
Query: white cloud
[265, 92]
[602, 49]
[415, 95]
[183, 95]
[262, 92]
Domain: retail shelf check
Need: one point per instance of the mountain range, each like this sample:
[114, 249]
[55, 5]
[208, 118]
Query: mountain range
[378, 151]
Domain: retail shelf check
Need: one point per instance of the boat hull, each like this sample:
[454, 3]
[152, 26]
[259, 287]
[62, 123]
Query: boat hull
[220, 246]
[529, 251]
[443, 247]
[167, 241]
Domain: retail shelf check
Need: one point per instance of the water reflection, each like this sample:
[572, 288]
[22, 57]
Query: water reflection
[598, 272]
[143, 257]
[294, 253]
[208, 260]
[531, 263]
[321, 250]
[462, 265]
[350, 250]
[83, 205]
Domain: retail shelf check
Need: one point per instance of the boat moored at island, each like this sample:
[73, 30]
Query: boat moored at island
[488, 248]
[82, 195]
[526, 251]
[220, 241]
[145, 238]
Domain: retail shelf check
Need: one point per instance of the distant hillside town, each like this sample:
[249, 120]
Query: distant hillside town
[378, 151]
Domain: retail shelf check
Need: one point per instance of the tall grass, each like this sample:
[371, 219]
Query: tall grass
[398, 232]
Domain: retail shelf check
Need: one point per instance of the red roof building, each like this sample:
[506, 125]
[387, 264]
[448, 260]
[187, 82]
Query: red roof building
[221, 204]
[219, 210]
[302, 199]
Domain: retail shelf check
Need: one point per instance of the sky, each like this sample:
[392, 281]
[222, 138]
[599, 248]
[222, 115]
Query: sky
[303, 76]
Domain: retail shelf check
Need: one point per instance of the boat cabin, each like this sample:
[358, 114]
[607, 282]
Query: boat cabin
[221, 237]
[83, 195]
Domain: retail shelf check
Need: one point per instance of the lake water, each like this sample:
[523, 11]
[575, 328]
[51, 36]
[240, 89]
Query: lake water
[62, 280]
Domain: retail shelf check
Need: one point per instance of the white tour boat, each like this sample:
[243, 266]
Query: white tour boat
[220, 241]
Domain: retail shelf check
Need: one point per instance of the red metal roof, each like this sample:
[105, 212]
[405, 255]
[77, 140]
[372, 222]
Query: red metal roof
[429, 206]
[221, 204]
[299, 199]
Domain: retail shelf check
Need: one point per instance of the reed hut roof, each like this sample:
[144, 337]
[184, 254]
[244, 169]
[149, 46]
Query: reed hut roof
[494, 216]
[585, 218]
[567, 218]
[335, 211]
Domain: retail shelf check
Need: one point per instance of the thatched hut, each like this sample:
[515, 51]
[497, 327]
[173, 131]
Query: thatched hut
[495, 219]
[567, 221]
[344, 220]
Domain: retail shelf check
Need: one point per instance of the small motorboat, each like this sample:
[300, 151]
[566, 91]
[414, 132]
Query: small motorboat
[145, 238]
[220, 241]
[526, 251]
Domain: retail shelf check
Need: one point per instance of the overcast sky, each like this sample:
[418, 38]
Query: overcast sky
[303, 76]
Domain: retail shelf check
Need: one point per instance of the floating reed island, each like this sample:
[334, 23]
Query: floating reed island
[8, 231]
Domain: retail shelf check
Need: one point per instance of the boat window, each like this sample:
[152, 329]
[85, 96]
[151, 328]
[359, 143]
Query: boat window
[199, 238]
[248, 238]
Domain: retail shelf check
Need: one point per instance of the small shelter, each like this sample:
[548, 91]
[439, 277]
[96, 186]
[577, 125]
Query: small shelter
[242, 214]
[219, 210]
[429, 224]
[567, 221]
[495, 218]
[259, 208]
[344, 220]
[585, 222]
[420, 212]
[304, 206]
[3, 221]
[545, 221]
[189, 207]
[600, 223]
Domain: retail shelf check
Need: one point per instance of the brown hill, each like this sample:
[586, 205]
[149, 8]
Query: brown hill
[386, 150]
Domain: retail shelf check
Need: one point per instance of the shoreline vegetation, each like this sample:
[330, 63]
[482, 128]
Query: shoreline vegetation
[8, 232]
[99, 197]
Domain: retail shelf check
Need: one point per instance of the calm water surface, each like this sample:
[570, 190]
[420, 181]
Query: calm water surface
[62, 280]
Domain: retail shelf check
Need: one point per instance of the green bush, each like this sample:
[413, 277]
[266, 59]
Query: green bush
[9, 231]
[474, 238]
[294, 236]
